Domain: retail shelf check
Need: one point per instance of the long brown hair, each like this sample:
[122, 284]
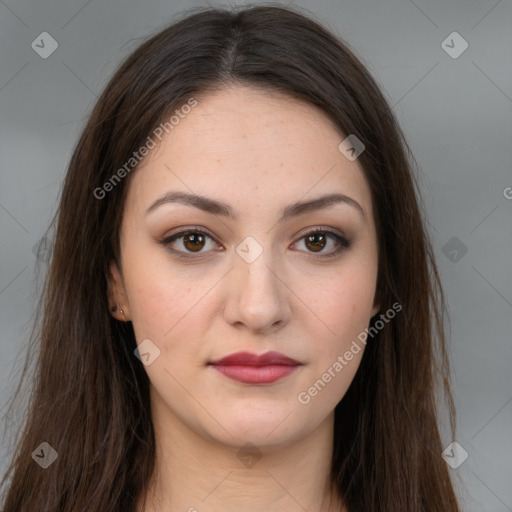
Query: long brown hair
[90, 394]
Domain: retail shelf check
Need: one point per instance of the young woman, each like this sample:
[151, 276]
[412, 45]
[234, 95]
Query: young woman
[242, 311]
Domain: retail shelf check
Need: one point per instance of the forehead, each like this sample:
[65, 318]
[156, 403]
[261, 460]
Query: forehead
[251, 148]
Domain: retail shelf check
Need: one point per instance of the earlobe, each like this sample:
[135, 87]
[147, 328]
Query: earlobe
[117, 300]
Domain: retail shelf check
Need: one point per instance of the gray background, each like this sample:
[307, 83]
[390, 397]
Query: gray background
[456, 114]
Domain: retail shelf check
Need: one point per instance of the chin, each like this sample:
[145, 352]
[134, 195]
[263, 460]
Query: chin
[269, 428]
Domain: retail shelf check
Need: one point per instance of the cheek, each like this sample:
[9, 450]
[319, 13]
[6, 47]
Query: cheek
[339, 306]
[342, 307]
[159, 299]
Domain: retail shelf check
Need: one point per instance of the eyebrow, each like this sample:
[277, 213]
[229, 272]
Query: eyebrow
[215, 207]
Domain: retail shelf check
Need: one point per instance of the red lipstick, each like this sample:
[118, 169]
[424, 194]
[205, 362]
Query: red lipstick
[256, 369]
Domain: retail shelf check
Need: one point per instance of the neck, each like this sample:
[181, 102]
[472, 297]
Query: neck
[197, 474]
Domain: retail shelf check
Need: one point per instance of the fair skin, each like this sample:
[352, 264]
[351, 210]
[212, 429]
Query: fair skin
[257, 152]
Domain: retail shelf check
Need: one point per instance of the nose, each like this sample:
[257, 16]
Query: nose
[257, 297]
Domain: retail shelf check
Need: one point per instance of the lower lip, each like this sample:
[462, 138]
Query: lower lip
[256, 374]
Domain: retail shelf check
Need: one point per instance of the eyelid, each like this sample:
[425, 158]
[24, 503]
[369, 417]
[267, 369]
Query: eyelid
[322, 229]
[184, 230]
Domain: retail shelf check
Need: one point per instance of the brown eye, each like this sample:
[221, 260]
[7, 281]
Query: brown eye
[194, 241]
[189, 243]
[319, 239]
[315, 242]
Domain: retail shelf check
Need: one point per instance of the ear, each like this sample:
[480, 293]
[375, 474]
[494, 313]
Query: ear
[117, 298]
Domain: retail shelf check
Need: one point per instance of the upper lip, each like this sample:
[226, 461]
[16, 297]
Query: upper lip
[250, 359]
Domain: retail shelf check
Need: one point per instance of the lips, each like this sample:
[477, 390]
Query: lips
[251, 368]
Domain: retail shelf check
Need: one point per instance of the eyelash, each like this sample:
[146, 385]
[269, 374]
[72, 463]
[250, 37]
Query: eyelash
[342, 242]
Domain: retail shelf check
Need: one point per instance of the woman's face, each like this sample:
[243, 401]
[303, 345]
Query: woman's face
[252, 278]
